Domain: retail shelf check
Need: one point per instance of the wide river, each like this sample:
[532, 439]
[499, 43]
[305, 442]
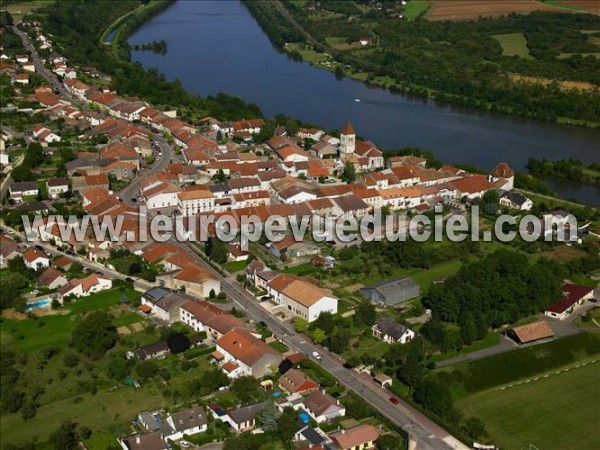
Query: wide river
[217, 46]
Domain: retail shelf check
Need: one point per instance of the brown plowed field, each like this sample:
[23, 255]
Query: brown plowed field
[472, 9]
[592, 6]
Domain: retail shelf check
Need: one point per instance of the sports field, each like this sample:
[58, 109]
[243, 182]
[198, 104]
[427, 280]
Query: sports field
[553, 411]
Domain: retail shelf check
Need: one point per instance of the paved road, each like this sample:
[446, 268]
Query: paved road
[132, 190]
[39, 65]
[427, 434]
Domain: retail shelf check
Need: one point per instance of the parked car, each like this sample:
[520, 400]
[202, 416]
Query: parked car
[316, 355]
[262, 323]
[394, 400]
[130, 280]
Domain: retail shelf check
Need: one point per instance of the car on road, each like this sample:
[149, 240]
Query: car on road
[394, 400]
[70, 253]
[184, 444]
[130, 280]
[262, 323]
[134, 200]
[316, 355]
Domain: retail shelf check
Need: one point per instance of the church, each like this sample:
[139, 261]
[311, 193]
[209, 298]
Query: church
[363, 154]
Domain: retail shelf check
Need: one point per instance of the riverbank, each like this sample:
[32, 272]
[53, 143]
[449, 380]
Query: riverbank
[355, 61]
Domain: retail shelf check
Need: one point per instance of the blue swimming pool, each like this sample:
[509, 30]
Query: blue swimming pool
[43, 303]
[305, 418]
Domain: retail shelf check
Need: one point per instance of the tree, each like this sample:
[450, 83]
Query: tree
[325, 322]
[28, 410]
[146, 370]
[117, 368]
[267, 418]
[435, 397]
[65, 437]
[216, 250]
[247, 388]
[288, 424]
[95, 334]
[318, 335]
[365, 313]
[349, 173]
[301, 324]
[390, 442]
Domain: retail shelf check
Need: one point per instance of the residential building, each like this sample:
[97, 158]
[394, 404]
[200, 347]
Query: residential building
[194, 201]
[391, 332]
[52, 279]
[295, 381]
[34, 259]
[323, 407]
[356, 438]
[244, 354]
[56, 187]
[532, 333]
[239, 419]
[516, 200]
[149, 441]
[23, 189]
[187, 422]
[164, 303]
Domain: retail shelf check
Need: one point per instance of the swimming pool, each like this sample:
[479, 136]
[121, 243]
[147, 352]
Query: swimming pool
[43, 303]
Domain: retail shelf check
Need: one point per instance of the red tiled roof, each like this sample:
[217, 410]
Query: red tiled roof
[572, 293]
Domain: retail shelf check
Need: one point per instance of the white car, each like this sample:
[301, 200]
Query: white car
[184, 444]
[316, 355]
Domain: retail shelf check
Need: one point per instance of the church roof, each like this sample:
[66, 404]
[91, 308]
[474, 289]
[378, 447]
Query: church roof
[348, 129]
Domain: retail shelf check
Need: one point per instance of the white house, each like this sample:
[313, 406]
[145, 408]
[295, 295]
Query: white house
[56, 187]
[35, 259]
[187, 422]
[159, 194]
[23, 189]
[86, 286]
[573, 296]
[323, 407]
[515, 200]
[195, 201]
[301, 298]
[390, 331]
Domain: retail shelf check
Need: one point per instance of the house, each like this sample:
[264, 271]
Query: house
[34, 259]
[348, 206]
[532, 333]
[164, 303]
[148, 441]
[312, 437]
[160, 194]
[356, 438]
[44, 134]
[240, 419]
[202, 316]
[471, 187]
[235, 253]
[52, 279]
[86, 286]
[573, 296]
[194, 201]
[515, 200]
[389, 292]
[503, 173]
[56, 187]
[245, 354]
[301, 298]
[8, 250]
[289, 248]
[323, 407]
[187, 422]
[390, 331]
[295, 381]
[190, 277]
[154, 350]
[23, 189]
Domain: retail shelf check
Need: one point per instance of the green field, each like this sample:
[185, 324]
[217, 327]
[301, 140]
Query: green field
[557, 412]
[514, 44]
[414, 8]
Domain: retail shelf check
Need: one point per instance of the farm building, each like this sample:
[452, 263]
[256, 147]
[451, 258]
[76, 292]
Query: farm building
[573, 296]
[531, 333]
[390, 292]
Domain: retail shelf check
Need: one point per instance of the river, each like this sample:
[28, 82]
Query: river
[217, 46]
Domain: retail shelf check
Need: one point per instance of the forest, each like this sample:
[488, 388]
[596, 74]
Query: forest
[461, 62]
[570, 169]
[78, 26]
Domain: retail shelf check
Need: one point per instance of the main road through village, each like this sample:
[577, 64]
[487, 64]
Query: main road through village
[424, 433]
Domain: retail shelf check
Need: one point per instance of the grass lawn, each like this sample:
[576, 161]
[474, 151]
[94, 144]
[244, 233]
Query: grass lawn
[514, 44]
[492, 338]
[235, 266]
[414, 8]
[279, 346]
[101, 411]
[556, 412]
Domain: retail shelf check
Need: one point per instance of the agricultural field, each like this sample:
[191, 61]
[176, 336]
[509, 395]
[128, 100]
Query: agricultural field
[583, 5]
[414, 8]
[457, 10]
[514, 44]
[553, 411]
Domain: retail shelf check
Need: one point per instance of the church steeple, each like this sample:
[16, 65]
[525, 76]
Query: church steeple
[347, 139]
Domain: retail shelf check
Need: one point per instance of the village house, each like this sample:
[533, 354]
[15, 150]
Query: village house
[348, 206]
[516, 200]
[323, 407]
[52, 279]
[23, 189]
[240, 353]
[86, 286]
[56, 187]
[148, 441]
[301, 298]
[356, 438]
[43, 133]
[295, 381]
[187, 422]
[163, 303]
[201, 316]
[35, 259]
[391, 332]
[288, 248]
[194, 201]
[8, 250]
[239, 419]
